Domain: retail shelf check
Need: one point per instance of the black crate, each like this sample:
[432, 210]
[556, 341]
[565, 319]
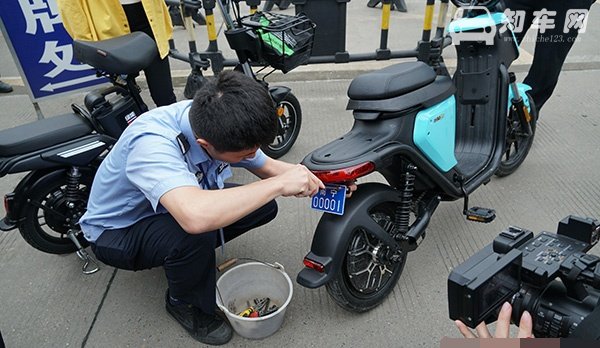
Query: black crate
[330, 19]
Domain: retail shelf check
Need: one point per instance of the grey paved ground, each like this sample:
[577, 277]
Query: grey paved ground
[45, 301]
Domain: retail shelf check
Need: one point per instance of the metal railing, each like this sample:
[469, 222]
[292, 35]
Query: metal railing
[213, 58]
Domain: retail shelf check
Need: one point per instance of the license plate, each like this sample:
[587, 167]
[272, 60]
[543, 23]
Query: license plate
[331, 199]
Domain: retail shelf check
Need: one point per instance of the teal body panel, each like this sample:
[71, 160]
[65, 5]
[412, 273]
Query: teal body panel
[479, 22]
[435, 133]
[522, 89]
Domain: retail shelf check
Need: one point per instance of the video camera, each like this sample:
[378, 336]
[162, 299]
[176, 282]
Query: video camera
[549, 275]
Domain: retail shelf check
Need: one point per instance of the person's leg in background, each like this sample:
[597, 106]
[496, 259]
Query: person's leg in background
[551, 47]
[551, 50]
[158, 74]
[527, 7]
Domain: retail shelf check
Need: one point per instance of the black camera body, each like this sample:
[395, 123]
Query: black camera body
[550, 275]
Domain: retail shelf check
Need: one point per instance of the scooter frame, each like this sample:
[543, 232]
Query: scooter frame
[333, 233]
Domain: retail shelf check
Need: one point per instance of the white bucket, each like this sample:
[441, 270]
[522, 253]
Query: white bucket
[245, 282]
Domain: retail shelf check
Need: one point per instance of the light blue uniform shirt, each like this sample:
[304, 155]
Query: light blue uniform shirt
[146, 163]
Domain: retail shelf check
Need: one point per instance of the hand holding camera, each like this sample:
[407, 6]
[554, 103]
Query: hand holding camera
[502, 328]
[551, 276]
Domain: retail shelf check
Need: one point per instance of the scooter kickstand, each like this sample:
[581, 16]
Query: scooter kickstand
[83, 255]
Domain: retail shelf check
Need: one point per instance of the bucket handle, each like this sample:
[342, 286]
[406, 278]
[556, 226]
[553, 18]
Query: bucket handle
[230, 262]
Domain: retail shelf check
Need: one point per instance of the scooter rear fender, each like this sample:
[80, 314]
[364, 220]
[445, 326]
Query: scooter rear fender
[333, 232]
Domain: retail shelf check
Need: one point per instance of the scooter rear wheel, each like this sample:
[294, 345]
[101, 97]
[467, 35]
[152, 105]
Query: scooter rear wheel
[288, 128]
[517, 145]
[368, 273]
[45, 226]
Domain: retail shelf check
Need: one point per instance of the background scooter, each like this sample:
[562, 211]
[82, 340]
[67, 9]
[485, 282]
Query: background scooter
[433, 138]
[264, 39]
[62, 153]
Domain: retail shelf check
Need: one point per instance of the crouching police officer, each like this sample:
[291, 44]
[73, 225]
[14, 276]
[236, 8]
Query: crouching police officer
[159, 197]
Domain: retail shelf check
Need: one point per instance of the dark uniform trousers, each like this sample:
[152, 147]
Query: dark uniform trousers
[551, 47]
[188, 259]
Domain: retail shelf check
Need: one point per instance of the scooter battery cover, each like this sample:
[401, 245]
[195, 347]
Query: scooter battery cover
[118, 116]
[435, 132]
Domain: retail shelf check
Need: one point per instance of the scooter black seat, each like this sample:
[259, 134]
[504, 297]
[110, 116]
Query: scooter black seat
[41, 134]
[127, 54]
[391, 81]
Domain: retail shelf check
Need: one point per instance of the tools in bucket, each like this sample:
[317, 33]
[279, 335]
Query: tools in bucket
[260, 308]
[247, 286]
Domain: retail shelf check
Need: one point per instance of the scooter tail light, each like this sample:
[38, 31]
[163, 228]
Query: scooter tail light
[317, 266]
[8, 200]
[345, 174]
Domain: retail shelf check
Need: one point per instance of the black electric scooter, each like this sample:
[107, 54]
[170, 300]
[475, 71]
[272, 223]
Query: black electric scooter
[434, 138]
[62, 153]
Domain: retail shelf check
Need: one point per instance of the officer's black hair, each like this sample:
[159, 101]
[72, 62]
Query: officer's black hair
[233, 112]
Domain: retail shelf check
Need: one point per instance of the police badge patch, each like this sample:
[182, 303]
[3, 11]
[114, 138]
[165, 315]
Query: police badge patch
[222, 167]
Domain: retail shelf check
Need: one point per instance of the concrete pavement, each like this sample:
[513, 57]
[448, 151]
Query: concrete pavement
[45, 301]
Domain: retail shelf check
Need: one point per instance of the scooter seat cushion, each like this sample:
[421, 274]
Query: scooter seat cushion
[42, 134]
[127, 54]
[391, 81]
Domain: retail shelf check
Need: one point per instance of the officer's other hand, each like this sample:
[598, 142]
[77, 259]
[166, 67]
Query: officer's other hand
[351, 185]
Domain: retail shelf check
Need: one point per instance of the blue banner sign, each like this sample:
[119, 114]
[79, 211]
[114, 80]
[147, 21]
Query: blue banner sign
[42, 48]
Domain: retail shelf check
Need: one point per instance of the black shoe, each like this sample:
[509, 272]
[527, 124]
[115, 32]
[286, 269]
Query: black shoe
[206, 328]
[5, 87]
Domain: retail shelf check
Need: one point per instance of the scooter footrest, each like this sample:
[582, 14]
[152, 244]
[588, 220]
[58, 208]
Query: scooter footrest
[480, 214]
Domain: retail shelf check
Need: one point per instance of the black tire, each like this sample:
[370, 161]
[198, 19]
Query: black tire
[288, 127]
[45, 230]
[346, 287]
[517, 146]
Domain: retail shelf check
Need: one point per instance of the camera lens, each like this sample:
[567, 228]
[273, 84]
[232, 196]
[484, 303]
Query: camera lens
[554, 313]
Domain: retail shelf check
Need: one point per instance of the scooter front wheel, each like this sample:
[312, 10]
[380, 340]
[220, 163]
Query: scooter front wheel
[289, 122]
[370, 270]
[517, 143]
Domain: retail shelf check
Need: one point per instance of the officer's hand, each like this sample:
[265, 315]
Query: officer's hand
[299, 182]
[502, 326]
[351, 185]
